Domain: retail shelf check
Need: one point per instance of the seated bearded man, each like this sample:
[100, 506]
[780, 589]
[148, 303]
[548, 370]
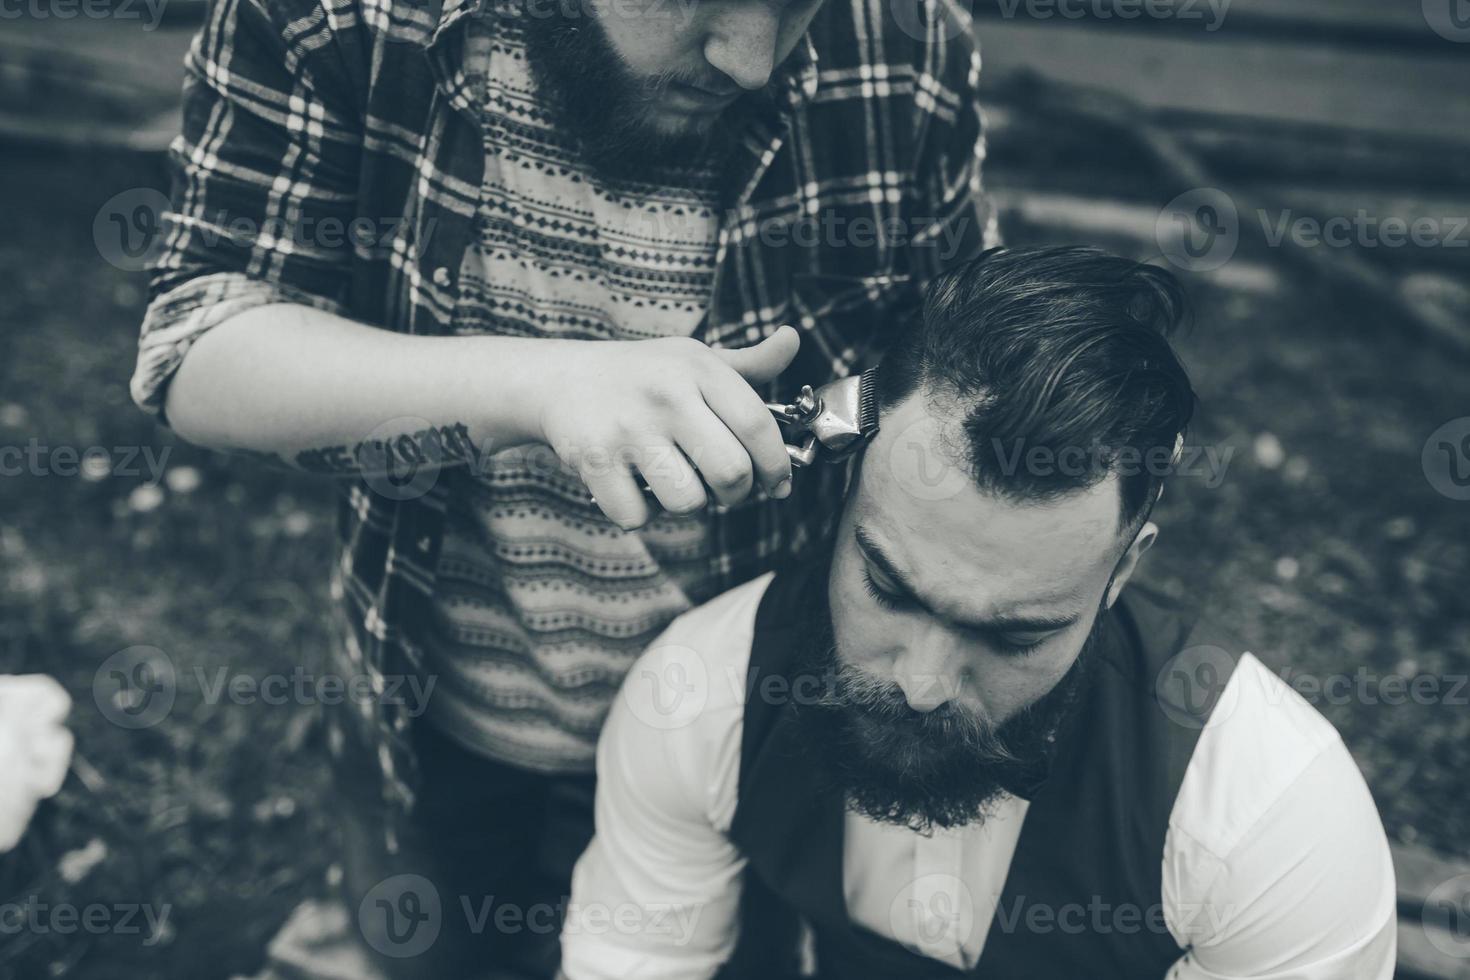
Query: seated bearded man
[962, 744]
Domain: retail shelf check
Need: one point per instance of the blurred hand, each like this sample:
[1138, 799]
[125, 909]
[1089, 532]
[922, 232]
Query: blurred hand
[673, 410]
[35, 749]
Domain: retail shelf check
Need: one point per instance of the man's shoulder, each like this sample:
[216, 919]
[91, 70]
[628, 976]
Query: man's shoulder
[684, 701]
[1256, 735]
[725, 623]
[1274, 842]
[1268, 772]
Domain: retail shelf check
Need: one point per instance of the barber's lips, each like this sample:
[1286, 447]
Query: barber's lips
[693, 99]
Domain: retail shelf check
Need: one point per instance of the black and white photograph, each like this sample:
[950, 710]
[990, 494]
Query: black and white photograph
[735, 489]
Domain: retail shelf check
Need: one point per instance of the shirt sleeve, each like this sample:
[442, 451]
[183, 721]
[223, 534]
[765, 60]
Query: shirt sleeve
[263, 205]
[957, 220]
[1307, 892]
[656, 893]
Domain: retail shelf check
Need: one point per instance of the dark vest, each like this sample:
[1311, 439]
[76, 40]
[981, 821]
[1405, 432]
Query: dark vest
[1083, 896]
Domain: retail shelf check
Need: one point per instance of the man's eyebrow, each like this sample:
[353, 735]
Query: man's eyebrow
[996, 624]
[875, 555]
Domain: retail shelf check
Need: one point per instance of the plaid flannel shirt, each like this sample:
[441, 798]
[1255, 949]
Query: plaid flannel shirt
[331, 156]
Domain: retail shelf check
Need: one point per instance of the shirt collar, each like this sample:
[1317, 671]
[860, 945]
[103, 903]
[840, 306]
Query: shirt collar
[801, 83]
[445, 14]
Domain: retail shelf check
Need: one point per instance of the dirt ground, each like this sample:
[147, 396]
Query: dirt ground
[1322, 544]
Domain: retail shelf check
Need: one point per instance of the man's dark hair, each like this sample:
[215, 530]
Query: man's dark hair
[1057, 349]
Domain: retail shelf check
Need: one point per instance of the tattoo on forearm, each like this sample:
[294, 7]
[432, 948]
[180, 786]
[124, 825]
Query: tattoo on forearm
[445, 445]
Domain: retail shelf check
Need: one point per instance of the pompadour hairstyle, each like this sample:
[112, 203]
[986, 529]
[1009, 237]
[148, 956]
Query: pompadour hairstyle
[1061, 350]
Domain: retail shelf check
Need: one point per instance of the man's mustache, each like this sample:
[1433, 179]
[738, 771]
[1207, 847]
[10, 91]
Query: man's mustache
[896, 727]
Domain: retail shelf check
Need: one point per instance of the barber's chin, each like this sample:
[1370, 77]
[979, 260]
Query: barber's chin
[671, 123]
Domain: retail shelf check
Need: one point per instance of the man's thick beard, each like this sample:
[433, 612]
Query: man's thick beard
[594, 97]
[944, 768]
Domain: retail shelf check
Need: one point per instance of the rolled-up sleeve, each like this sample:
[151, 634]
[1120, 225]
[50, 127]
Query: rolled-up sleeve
[178, 317]
[263, 200]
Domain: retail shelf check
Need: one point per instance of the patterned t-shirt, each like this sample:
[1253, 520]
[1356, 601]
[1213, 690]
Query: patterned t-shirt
[543, 604]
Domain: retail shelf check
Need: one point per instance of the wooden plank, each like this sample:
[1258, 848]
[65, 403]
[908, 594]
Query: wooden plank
[1422, 955]
[1404, 26]
[1423, 96]
[1434, 948]
[1420, 871]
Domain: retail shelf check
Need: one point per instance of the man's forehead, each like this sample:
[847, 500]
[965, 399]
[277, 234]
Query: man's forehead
[921, 506]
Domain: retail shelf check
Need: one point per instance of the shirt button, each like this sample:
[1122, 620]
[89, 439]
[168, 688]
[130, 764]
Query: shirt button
[441, 276]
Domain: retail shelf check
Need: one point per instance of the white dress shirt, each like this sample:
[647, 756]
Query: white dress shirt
[1275, 863]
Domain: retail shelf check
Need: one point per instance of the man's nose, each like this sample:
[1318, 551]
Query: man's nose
[926, 671]
[742, 44]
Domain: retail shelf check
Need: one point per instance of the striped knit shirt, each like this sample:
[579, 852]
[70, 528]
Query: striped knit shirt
[542, 604]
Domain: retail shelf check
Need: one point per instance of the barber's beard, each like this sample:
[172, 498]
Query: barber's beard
[595, 97]
[942, 768]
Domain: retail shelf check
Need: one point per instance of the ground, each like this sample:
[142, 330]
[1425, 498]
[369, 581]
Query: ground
[1323, 546]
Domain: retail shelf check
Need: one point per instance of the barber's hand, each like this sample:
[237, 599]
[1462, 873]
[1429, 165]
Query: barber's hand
[655, 407]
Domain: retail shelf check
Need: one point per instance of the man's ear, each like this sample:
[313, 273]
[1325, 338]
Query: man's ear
[1142, 541]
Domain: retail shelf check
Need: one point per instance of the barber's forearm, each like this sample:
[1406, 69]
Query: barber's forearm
[312, 388]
